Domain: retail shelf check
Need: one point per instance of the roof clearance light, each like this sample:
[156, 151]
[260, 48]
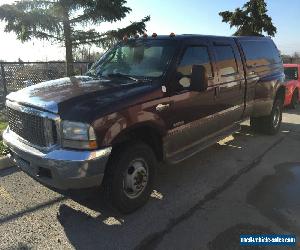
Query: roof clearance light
[154, 35]
[145, 35]
[125, 38]
[172, 34]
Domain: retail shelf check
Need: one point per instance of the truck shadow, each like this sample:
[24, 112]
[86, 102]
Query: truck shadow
[8, 171]
[174, 193]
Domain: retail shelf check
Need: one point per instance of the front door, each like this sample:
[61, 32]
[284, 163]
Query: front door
[192, 111]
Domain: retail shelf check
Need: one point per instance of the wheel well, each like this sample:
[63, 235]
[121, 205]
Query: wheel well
[280, 94]
[145, 134]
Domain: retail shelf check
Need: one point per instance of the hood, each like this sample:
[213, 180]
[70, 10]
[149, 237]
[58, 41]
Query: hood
[81, 96]
[48, 95]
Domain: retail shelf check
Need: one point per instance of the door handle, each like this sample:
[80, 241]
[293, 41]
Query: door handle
[161, 107]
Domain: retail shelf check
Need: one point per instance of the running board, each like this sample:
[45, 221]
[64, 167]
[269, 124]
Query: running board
[203, 144]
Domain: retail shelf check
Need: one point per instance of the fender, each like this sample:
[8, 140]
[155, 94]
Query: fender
[266, 90]
[117, 125]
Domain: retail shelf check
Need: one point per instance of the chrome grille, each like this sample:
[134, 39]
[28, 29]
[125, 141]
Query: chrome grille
[32, 127]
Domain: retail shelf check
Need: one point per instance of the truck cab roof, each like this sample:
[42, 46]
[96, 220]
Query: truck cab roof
[193, 36]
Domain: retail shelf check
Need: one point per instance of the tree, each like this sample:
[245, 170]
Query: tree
[86, 54]
[296, 55]
[250, 20]
[293, 58]
[66, 22]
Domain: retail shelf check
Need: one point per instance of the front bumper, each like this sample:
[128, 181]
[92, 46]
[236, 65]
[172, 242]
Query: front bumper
[58, 168]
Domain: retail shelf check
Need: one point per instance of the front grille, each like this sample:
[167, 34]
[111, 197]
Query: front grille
[31, 127]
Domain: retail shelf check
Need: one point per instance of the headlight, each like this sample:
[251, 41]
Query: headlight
[78, 135]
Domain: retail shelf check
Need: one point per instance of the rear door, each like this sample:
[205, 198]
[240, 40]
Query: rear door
[230, 87]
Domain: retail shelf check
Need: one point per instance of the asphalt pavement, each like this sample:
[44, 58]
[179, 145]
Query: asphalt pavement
[246, 183]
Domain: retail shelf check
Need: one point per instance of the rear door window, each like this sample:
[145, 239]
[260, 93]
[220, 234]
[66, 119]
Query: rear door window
[226, 60]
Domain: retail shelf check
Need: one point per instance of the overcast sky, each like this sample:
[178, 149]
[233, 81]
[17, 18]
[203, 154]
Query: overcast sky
[179, 16]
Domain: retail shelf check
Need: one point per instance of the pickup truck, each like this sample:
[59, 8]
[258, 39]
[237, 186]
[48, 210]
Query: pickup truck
[147, 100]
[292, 84]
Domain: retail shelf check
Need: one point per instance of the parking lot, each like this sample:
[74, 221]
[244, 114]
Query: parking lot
[247, 183]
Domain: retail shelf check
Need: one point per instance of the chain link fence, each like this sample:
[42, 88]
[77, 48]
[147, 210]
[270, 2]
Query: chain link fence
[15, 76]
[288, 59]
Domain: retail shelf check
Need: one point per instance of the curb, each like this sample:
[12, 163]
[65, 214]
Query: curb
[5, 162]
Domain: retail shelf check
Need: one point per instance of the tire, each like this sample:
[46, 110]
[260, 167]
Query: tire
[255, 123]
[295, 100]
[269, 124]
[134, 160]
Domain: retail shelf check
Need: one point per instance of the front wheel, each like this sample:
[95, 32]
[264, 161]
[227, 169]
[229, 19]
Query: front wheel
[129, 179]
[269, 124]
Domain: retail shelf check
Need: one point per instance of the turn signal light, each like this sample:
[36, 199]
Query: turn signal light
[125, 38]
[93, 144]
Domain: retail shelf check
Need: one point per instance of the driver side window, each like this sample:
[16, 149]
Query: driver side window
[194, 55]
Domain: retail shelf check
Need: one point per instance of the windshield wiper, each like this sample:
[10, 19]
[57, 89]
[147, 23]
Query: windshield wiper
[123, 76]
[139, 79]
[96, 76]
[90, 74]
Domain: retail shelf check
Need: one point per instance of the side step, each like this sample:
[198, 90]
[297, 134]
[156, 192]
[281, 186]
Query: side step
[203, 144]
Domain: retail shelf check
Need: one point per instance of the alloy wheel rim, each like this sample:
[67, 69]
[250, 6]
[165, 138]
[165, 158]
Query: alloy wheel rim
[276, 117]
[135, 178]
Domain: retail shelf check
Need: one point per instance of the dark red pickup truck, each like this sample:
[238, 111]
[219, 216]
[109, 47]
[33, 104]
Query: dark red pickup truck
[148, 99]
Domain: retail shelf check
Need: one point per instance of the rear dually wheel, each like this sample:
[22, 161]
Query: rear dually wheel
[269, 124]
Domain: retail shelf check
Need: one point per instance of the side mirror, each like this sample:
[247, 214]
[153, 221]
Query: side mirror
[199, 78]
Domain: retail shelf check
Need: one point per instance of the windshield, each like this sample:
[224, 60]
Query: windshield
[136, 58]
[291, 73]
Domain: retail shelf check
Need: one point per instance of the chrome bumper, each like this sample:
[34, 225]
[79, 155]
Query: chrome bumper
[58, 168]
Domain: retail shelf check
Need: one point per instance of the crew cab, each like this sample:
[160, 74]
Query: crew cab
[147, 100]
[292, 84]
